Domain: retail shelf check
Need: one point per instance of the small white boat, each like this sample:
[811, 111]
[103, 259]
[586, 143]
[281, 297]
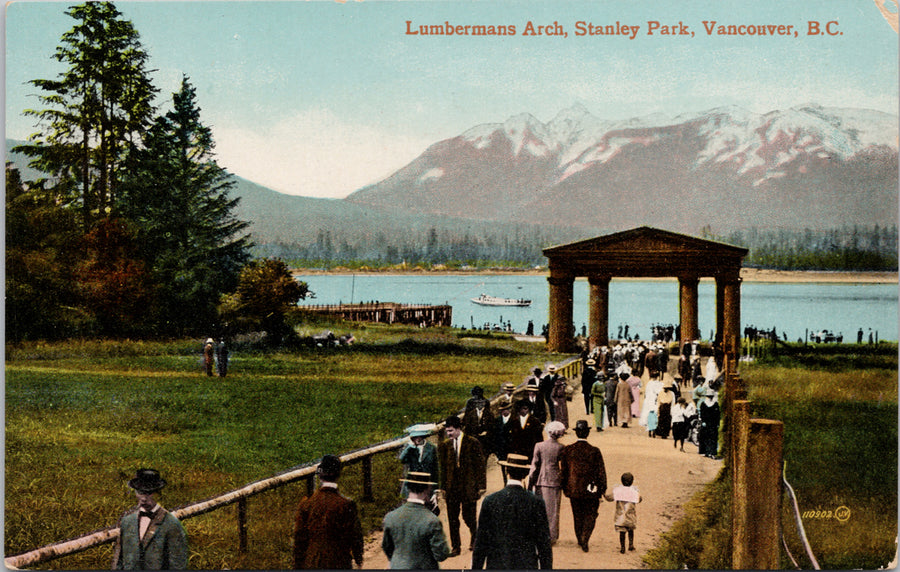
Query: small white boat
[485, 300]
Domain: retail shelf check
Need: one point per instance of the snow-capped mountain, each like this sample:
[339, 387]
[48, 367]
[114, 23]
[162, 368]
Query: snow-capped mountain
[729, 168]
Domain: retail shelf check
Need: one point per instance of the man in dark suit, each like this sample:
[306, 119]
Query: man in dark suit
[327, 531]
[526, 431]
[501, 432]
[536, 403]
[478, 421]
[513, 532]
[583, 477]
[548, 382]
[150, 538]
[463, 479]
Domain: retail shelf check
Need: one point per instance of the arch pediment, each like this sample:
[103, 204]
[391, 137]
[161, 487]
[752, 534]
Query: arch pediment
[645, 252]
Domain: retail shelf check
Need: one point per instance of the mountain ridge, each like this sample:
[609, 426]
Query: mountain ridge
[738, 168]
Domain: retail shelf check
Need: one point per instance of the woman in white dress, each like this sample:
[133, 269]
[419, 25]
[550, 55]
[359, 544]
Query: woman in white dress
[654, 386]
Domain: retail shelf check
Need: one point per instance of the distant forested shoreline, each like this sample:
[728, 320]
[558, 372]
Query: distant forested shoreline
[847, 249]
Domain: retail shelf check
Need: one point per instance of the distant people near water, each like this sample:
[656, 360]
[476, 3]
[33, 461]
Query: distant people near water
[626, 496]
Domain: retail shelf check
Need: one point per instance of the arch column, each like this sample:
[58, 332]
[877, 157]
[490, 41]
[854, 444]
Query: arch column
[559, 336]
[731, 329]
[687, 290]
[598, 311]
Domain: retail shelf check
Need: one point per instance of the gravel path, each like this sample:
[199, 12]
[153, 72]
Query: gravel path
[666, 477]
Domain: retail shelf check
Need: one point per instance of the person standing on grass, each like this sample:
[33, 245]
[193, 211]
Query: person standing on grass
[626, 497]
[222, 359]
[413, 536]
[209, 356]
[327, 531]
[150, 538]
[513, 531]
[463, 479]
[583, 477]
[544, 478]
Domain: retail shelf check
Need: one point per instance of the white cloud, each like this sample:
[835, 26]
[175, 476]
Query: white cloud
[314, 154]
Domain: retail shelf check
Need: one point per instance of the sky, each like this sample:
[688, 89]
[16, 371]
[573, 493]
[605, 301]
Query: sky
[320, 98]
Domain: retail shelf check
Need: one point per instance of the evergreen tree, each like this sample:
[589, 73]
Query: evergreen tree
[96, 109]
[178, 197]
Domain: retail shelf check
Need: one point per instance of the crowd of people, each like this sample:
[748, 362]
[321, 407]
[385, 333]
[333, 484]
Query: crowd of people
[518, 525]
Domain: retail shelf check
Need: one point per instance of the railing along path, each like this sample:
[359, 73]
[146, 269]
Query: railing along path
[568, 369]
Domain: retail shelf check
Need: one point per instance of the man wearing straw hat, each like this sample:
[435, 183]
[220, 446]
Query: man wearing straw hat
[513, 532]
[150, 538]
[413, 536]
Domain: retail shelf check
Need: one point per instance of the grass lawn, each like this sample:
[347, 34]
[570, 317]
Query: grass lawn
[82, 417]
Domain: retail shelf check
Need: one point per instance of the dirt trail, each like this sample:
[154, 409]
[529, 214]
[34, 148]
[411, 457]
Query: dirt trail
[666, 477]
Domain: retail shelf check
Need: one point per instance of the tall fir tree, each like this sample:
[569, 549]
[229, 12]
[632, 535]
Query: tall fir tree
[178, 197]
[95, 109]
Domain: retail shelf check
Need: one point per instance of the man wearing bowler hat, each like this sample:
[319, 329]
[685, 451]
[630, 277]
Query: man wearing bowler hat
[327, 531]
[413, 536]
[513, 531]
[150, 538]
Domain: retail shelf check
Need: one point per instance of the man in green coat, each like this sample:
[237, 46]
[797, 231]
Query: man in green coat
[413, 536]
[150, 538]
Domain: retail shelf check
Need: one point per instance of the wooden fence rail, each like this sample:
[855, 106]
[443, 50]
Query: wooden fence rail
[306, 471]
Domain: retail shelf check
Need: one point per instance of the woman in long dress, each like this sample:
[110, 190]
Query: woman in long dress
[709, 425]
[559, 402]
[664, 411]
[654, 387]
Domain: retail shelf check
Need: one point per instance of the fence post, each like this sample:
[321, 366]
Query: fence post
[367, 478]
[242, 524]
[740, 516]
[310, 485]
[764, 463]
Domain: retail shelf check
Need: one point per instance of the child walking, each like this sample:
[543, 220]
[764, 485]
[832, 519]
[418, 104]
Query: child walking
[626, 496]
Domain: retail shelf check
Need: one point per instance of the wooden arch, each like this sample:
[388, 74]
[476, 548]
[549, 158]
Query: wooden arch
[645, 252]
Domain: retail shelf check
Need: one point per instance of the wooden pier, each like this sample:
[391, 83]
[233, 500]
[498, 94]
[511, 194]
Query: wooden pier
[387, 313]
